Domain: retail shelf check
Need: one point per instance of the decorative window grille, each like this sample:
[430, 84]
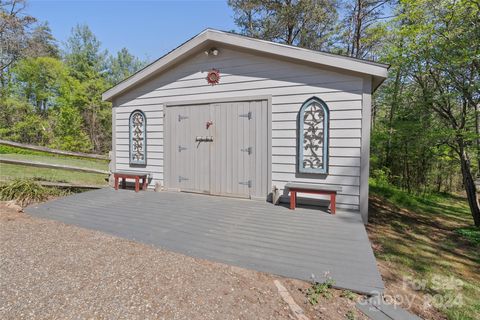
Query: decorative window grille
[313, 137]
[138, 138]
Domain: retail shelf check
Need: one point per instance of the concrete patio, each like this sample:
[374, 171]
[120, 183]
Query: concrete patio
[245, 233]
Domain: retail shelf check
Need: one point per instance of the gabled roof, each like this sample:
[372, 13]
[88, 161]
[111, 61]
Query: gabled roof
[378, 71]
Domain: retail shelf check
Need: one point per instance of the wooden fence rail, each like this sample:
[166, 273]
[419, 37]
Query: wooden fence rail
[51, 166]
[54, 151]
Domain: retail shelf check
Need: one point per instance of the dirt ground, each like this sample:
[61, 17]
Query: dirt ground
[395, 288]
[52, 270]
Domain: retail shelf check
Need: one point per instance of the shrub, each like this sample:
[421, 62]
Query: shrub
[26, 191]
[320, 289]
[349, 295]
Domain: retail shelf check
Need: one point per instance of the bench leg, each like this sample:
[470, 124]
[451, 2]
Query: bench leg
[137, 184]
[144, 185]
[116, 182]
[332, 203]
[293, 199]
[124, 183]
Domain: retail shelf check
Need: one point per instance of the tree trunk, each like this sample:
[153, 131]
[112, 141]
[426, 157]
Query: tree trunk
[469, 184]
[477, 131]
[393, 109]
[407, 169]
[439, 178]
[358, 30]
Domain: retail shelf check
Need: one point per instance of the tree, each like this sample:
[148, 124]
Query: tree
[12, 110]
[96, 113]
[87, 64]
[122, 66]
[440, 55]
[32, 129]
[83, 54]
[305, 23]
[40, 80]
[68, 132]
[14, 25]
[361, 28]
[42, 43]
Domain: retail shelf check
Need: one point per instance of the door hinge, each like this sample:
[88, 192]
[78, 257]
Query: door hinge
[180, 179]
[180, 118]
[180, 148]
[247, 115]
[246, 183]
[248, 150]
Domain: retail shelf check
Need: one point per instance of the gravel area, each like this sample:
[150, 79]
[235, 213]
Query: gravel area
[52, 270]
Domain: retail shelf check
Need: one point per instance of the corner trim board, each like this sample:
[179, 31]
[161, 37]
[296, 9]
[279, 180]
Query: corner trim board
[365, 147]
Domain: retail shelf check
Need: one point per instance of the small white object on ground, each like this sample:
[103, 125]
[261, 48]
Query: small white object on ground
[158, 187]
[297, 311]
[13, 205]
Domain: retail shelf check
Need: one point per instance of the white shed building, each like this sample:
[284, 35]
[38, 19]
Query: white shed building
[225, 114]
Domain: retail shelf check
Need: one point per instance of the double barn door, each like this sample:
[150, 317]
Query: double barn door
[218, 148]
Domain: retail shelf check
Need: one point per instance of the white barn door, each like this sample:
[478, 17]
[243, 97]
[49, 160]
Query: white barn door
[189, 159]
[218, 148]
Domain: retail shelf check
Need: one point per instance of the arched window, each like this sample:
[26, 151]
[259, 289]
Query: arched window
[313, 137]
[138, 138]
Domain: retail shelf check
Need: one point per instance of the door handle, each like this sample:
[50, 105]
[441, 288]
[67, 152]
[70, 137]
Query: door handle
[203, 139]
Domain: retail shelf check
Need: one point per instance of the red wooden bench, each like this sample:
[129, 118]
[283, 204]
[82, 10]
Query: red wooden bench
[295, 188]
[124, 175]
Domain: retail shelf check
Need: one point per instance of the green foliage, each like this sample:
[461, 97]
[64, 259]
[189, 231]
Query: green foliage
[320, 289]
[26, 191]
[54, 100]
[308, 23]
[68, 130]
[42, 43]
[403, 199]
[87, 65]
[79, 143]
[83, 54]
[471, 234]
[13, 150]
[40, 79]
[122, 66]
[350, 315]
[348, 295]
[13, 109]
[32, 129]
[426, 133]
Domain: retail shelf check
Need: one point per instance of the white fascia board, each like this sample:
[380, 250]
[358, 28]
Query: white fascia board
[376, 70]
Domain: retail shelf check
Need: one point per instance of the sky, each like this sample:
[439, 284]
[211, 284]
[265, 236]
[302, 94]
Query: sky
[148, 29]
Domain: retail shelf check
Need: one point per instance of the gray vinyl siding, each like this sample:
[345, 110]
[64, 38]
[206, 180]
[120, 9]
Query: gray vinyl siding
[248, 75]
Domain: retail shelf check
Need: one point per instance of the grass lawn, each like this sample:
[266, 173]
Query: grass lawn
[10, 171]
[429, 245]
